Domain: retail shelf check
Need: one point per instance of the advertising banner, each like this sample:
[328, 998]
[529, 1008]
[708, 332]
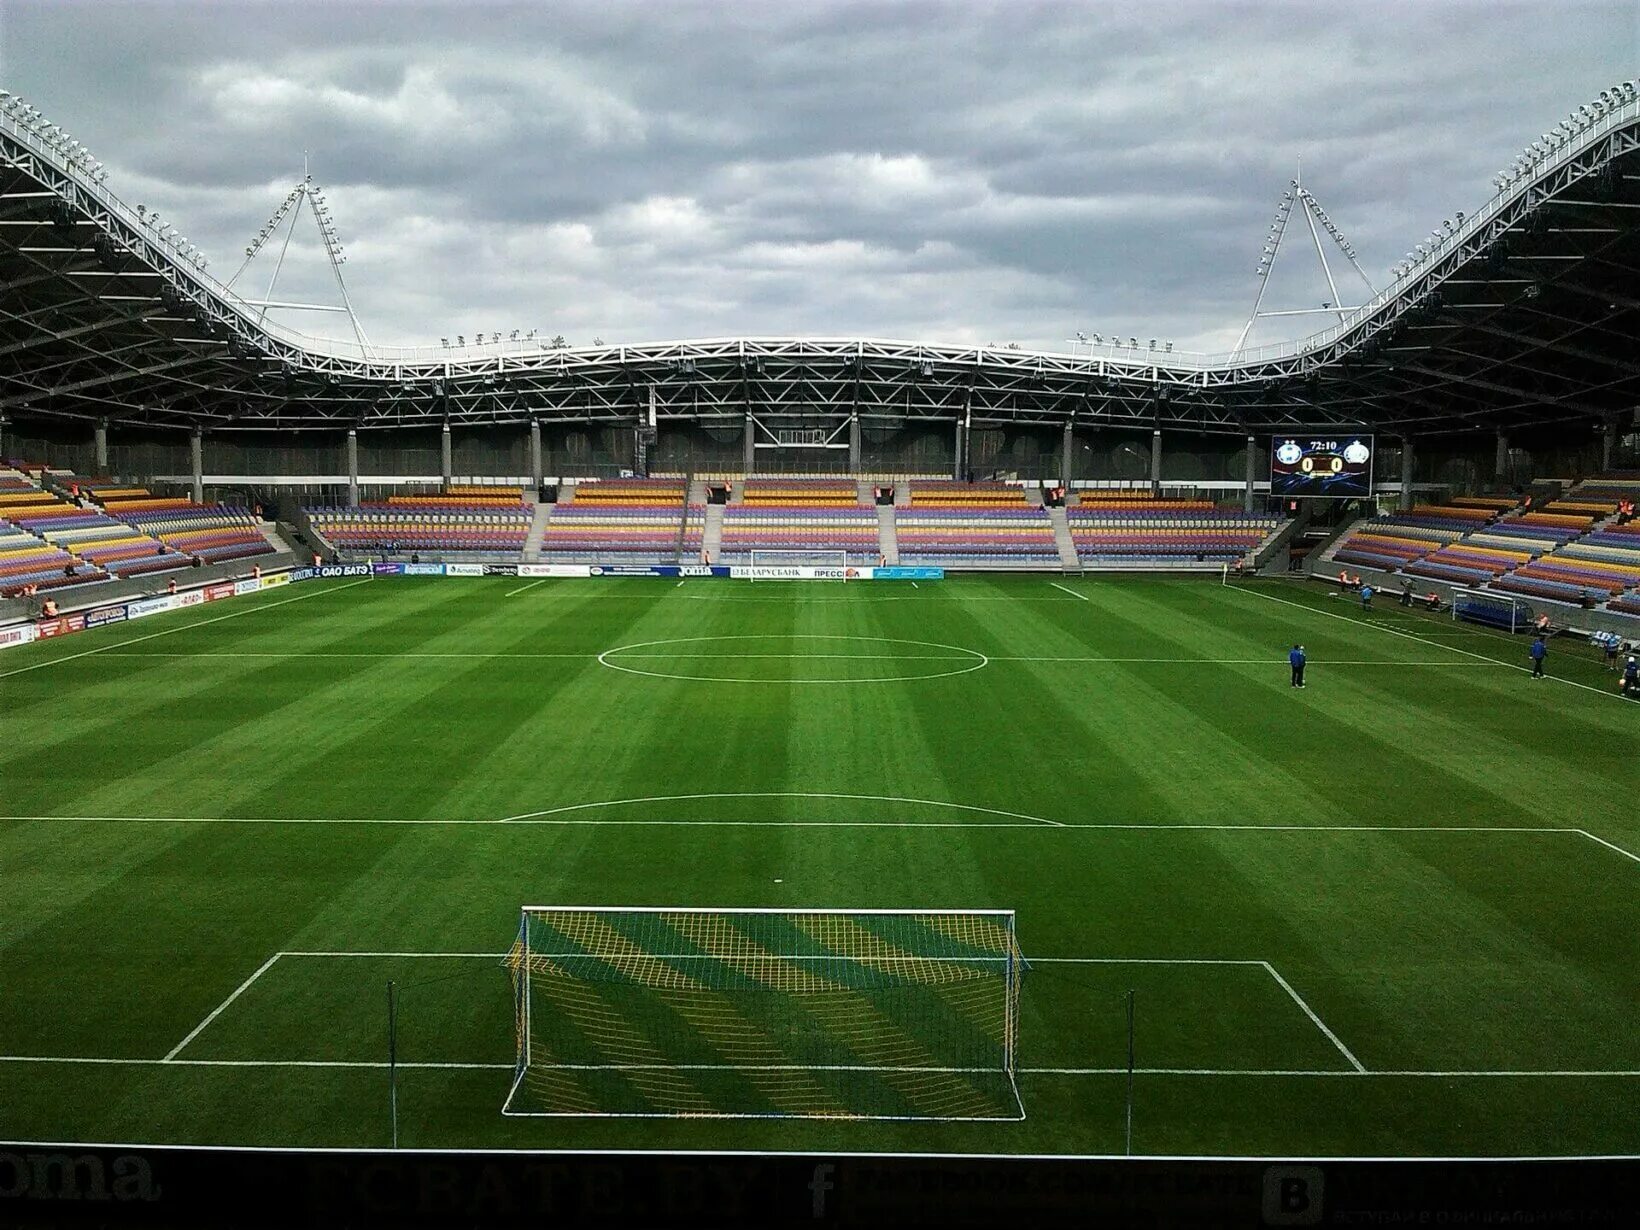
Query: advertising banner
[767, 572]
[634, 570]
[387, 570]
[277, 579]
[899, 573]
[464, 570]
[248, 586]
[423, 570]
[191, 597]
[554, 570]
[501, 570]
[59, 627]
[153, 606]
[326, 572]
[22, 634]
[214, 593]
[105, 615]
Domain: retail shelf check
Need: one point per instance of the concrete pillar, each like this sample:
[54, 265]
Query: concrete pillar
[1500, 465]
[196, 449]
[1252, 466]
[1608, 444]
[352, 467]
[4, 423]
[537, 472]
[99, 441]
[854, 443]
[1156, 461]
[749, 450]
[1067, 456]
[448, 469]
[1408, 460]
[958, 459]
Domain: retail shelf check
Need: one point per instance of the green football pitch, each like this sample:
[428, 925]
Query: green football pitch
[1395, 913]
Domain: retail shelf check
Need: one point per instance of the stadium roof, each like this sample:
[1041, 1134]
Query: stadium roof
[1522, 313]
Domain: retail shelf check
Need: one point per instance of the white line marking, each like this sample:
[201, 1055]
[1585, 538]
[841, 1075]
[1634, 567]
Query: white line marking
[1404, 1073]
[734, 657]
[1346, 1072]
[612, 658]
[1628, 854]
[184, 627]
[1414, 637]
[1316, 1020]
[238, 991]
[536, 816]
[522, 588]
[1071, 592]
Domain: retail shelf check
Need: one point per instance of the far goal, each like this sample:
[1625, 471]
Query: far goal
[1495, 610]
[804, 565]
[792, 1014]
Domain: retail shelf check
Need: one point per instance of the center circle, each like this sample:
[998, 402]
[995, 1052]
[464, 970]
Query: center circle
[793, 658]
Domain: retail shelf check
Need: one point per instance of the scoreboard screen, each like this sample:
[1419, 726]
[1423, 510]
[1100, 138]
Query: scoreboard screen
[1339, 466]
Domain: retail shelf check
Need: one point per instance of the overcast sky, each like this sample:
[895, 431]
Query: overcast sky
[956, 172]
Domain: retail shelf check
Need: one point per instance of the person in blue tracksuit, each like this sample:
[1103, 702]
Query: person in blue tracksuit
[1366, 597]
[1539, 651]
[1296, 660]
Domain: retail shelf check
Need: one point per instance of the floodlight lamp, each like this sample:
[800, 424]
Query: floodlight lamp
[1133, 343]
[461, 339]
[445, 342]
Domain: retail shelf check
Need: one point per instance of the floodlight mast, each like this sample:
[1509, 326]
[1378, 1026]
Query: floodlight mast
[1298, 194]
[307, 193]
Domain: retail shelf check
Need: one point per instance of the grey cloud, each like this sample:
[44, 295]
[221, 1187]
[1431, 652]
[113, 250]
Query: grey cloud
[958, 171]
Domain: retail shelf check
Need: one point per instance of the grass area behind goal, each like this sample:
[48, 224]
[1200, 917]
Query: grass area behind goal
[1394, 913]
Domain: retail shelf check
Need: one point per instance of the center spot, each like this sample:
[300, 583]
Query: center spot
[793, 658]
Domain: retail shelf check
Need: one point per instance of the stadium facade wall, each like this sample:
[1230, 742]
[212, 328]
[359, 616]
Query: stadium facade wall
[1463, 464]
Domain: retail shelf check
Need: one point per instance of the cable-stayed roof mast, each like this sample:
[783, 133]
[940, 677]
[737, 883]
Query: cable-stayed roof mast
[1318, 221]
[305, 193]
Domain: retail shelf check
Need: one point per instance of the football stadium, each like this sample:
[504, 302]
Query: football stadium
[824, 745]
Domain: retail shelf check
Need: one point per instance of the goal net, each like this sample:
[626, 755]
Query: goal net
[862, 1014]
[804, 560]
[1496, 610]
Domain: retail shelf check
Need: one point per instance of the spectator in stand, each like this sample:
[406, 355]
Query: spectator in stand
[1539, 651]
[68, 570]
[1543, 624]
[49, 609]
[171, 586]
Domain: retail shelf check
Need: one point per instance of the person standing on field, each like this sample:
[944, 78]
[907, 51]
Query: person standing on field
[1539, 651]
[1296, 660]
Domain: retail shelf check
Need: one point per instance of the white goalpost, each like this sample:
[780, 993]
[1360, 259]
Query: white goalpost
[1495, 609]
[766, 1013]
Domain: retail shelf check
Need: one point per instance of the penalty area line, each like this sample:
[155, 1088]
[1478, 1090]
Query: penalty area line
[171, 1055]
[1071, 592]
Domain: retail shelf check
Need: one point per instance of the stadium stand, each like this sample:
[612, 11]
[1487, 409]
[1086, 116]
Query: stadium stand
[800, 515]
[633, 520]
[211, 533]
[1132, 528]
[978, 525]
[468, 520]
